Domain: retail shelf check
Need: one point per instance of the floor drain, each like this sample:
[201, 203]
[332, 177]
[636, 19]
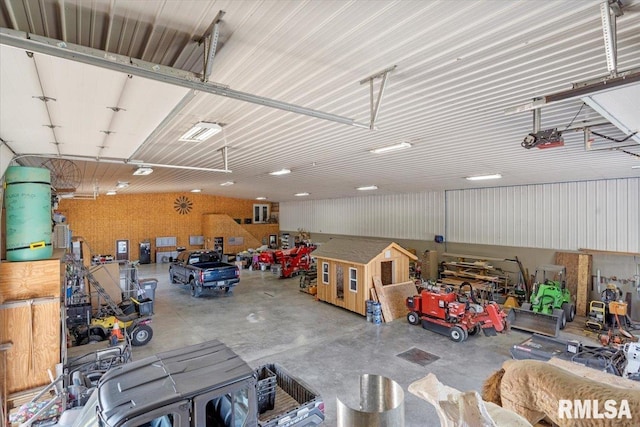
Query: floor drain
[418, 356]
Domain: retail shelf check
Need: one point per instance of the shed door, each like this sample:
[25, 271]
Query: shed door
[339, 282]
[386, 272]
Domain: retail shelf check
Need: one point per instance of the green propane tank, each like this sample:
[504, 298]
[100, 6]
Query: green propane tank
[27, 199]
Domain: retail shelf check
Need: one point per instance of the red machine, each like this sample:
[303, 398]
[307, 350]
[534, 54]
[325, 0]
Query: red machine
[285, 263]
[457, 315]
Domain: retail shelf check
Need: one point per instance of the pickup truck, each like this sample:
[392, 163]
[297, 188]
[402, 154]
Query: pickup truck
[203, 269]
[203, 385]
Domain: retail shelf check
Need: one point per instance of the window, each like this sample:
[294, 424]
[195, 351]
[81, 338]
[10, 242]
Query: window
[353, 279]
[161, 421]
[229, 410]
[260, 214]
[325, 273]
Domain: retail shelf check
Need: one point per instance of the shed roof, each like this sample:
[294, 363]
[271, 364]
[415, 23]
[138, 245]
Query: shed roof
[358, 251]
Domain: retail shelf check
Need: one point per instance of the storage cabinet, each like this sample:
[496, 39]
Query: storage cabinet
[30, 318]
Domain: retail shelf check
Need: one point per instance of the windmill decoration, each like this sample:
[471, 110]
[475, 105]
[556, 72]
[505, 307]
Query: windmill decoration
[182, 205]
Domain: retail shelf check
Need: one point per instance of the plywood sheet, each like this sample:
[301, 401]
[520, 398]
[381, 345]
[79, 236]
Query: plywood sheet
[386, 309]
[34, 330]
[30, 279]
[396, 296]
[578, 277]
[392, 297]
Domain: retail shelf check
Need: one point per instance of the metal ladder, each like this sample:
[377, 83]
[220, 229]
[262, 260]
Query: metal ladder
[98, 287]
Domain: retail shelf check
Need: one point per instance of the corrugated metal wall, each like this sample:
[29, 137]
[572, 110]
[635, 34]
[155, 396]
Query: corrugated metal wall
[404, 216]
[603, 215]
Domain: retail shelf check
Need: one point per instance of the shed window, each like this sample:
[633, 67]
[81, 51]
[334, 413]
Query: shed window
[353, 279]
[325, 273]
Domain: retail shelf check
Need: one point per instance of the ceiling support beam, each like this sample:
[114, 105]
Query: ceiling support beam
[375, 106]
[609, 35]
[123, 161]
[136, 67]
[210, 42]
[579, 90]
[537, 120]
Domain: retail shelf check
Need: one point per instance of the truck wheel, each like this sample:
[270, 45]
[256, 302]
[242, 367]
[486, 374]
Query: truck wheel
[413, 318]
[456, 334]
[569, 311]
[196, 290]
[141, 335]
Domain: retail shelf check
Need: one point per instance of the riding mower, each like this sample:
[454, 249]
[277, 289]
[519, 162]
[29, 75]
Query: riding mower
[550, 306]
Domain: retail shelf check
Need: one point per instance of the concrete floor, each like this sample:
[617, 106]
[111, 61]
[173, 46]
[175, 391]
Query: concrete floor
[268, 320]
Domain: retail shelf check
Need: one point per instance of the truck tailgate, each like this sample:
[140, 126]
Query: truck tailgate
[221, 273]
[296, 403]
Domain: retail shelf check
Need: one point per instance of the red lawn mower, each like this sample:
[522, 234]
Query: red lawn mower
[456, 314]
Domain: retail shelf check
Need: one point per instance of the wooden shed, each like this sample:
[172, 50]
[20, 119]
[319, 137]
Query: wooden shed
[346, 268]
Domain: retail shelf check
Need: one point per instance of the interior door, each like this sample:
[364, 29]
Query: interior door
[122, 250]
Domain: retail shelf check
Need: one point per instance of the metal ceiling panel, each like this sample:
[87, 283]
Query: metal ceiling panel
[81, 120]
[458, 70]
[621, 107]
[29, 130]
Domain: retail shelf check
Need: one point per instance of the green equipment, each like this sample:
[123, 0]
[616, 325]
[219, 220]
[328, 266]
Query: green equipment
[549, 307]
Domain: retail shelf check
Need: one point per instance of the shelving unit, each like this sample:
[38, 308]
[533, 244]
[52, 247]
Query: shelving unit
[480, 273]
[284, 241]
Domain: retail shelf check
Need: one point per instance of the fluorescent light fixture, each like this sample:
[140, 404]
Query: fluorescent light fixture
[122, 184]
[481, 177]
[261, 198]
[635, 167]
[389, 148]
[143, 171]
[226, 184]
[196, 190]
[367, 188]
[301, 194]
[66, 195]
[201, 132]
[111, 193]
[280, 172]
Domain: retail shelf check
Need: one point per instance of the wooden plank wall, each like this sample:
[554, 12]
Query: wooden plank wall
[139, 217]
[579, 266]
[353, 301]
